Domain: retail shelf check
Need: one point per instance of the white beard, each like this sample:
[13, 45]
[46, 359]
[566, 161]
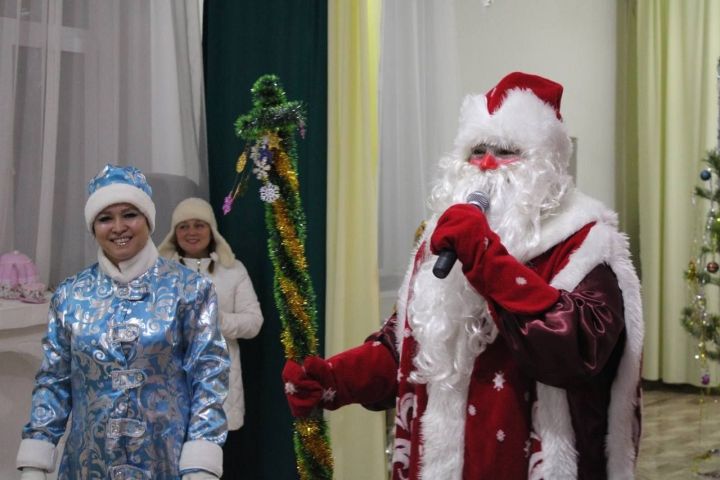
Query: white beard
[450, 320]
[521, 195]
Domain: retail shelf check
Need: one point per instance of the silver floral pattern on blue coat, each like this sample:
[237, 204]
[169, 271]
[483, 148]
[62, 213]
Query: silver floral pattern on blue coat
[143, 368]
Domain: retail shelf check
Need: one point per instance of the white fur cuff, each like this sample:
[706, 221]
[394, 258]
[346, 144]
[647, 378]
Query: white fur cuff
[201, 455]
[36, 454]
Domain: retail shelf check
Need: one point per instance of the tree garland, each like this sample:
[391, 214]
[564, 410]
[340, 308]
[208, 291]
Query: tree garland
[268, 130]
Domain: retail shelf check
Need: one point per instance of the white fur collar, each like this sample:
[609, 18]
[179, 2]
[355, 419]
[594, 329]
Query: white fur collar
[575, 211]
[130, 269]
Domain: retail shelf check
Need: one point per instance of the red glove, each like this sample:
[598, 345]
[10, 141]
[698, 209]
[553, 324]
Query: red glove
[305, 392]
[365, 374]
[487, 265]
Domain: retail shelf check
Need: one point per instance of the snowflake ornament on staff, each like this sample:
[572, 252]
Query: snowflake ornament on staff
[703, 270]
[268, 130]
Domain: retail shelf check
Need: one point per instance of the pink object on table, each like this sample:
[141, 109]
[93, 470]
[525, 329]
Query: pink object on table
[18, 270]
[33, 292]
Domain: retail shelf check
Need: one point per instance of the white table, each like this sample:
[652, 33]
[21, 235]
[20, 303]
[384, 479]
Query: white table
[22, 326]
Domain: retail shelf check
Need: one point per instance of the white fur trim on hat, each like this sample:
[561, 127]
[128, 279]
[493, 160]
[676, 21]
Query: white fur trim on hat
[523, 121]
[119, 193]
[196, 209]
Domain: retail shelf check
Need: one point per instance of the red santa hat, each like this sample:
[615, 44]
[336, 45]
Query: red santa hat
[522, 111]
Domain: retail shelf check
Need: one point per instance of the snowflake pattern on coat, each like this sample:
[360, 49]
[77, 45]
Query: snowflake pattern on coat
[499, 381]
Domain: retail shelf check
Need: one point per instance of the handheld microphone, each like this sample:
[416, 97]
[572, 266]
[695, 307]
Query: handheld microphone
[446, 258]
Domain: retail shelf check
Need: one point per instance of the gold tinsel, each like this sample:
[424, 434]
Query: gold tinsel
[297, 306]
[318, 448]
[296, 301]
[303, 471]
[284, 168]
[307, 427]
[692, 271]
[288, 236]
[288, 344]
[419, 232]
[311, 435]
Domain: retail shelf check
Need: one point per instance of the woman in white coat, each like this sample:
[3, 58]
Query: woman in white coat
[194, 241]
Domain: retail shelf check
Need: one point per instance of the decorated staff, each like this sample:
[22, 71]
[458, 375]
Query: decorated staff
[268, 130]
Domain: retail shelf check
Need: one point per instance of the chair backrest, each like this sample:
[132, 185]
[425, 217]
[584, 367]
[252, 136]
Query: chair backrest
[168, 191]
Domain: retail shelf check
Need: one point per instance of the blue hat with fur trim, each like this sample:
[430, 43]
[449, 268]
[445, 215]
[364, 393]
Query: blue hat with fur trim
[115, 184]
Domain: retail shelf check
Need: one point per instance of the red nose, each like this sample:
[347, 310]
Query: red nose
[486, 162]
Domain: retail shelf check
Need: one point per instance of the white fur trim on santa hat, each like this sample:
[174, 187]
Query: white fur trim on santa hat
[119, 193]
[196, 209]
[523, 121]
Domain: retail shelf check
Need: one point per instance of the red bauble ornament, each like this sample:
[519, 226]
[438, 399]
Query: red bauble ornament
[712, 267]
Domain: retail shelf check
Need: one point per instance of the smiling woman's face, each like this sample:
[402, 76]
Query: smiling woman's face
[121, 230]
[193, 237]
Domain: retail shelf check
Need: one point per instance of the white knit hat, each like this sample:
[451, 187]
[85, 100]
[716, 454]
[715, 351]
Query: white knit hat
[115, 184]
[196, 209]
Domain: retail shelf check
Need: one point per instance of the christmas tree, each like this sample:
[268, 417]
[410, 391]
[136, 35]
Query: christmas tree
[702, 271]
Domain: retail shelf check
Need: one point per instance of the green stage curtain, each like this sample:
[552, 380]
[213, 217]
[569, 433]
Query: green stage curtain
[242, 41]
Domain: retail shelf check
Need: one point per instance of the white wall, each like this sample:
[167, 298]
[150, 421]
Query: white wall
[572, 42]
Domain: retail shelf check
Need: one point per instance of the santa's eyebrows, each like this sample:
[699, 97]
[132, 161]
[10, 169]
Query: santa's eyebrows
[503, 150]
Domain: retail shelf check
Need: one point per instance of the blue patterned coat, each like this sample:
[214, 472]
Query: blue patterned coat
[142, 367]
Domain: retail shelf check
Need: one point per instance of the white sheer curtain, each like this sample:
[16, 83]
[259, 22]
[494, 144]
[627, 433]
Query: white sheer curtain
[84, 83]
[419, 102]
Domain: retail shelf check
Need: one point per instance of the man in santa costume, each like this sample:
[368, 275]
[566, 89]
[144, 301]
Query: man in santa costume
[524, 363]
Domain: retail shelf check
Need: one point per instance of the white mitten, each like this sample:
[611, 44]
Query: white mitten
[29, 473]
[196, 476]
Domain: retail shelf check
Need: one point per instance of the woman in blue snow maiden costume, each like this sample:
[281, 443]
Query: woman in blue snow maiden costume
[134, 352]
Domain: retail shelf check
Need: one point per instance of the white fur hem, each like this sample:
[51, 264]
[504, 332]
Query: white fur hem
[443, 432]
[604, 244]
[36, 454]
[201, 455]
[403, 294]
